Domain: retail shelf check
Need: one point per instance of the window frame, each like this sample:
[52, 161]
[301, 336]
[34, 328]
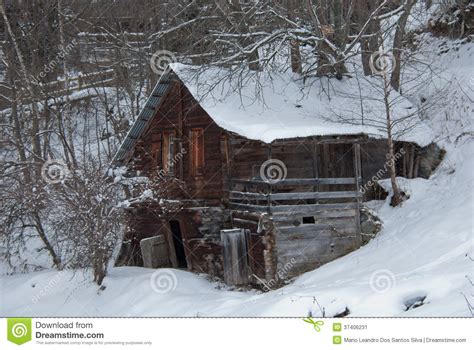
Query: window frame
[197, 157]
[168, 147]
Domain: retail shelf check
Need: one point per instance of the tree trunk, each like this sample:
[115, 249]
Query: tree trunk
[238, 21]
[35, 124]
[397, 195]
[295, 54]
[369, 46]
[398, 45]
[47, 244]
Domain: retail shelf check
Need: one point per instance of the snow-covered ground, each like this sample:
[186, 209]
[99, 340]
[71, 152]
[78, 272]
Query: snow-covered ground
[424, 250]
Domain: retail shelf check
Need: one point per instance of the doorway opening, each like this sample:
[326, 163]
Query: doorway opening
[178, 243]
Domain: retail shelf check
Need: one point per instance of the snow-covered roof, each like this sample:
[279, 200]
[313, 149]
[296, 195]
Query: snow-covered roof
[270, 106]
[144, 117]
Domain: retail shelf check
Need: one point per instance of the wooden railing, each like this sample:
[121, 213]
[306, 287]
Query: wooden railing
[293, 195]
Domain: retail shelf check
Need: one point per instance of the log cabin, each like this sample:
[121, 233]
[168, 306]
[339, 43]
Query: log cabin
[263, 188]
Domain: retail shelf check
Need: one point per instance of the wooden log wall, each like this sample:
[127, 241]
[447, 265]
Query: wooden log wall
[180, 113]
[311, 215]
[206, 256]
[303, 158]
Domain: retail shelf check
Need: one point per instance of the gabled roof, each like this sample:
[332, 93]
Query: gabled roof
[267, 106]
[145, 117]
[282, 106]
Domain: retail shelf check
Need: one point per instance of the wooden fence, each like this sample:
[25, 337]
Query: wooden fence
[60, 87]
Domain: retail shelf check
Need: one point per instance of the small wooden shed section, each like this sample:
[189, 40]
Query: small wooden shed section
[246, 210]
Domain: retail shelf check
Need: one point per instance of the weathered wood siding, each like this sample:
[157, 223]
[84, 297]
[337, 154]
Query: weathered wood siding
[310, 218]
[180, 113]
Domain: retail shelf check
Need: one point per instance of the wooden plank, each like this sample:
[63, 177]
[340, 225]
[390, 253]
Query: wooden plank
[248, 195]
[320, 244]
[155, 252]
[411, 164]
[315, 163]
[314, 228]
[294, 209]
[315, 235]
[235, 256]
[302, 181]
[224, 154]
[358, 177]
[314, 195]
[241, 223]
[317, 215]
[246, 215]
[249, 207]
[293, 195]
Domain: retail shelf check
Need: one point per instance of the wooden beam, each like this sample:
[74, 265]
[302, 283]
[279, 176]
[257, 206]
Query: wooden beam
[235, 195]
[358, 176]
[322, 214]
[246, 224]
[315, 228]
[294, 209]
[301, 182]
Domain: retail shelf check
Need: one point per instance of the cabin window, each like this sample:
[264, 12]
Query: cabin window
[156, 148]
[197, 151]
[168, 152]
[308, 220]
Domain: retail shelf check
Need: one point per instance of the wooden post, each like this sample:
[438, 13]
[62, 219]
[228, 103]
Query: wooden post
[357, 173]
[269, 254]
[269, 199]
[416, 167]
[316, 165]
[405, 165]
[180, 131]
[226, 182]
[412, 162]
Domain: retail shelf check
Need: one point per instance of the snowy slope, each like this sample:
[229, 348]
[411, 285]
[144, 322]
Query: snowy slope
[424, 250]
